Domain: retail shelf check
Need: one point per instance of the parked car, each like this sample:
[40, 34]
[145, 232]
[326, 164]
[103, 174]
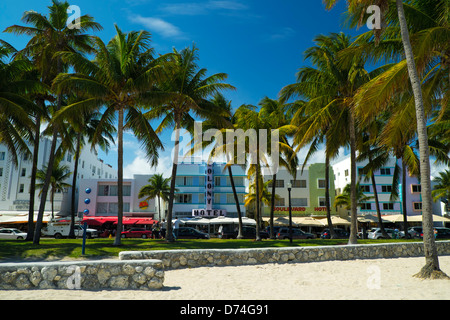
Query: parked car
[275, 229]
[190, 233]
[283, 233]
[339, 233]
[12, 233]
[415, 232]
[375, 233]
[442, 233]
[137, 233]
[230, 232]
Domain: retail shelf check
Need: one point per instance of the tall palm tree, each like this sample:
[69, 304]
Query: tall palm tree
[158, 187]
[220, 125]
[50, 35]
[330, 87]
[279, 116]
[252, 201]
[118, 81]
[82, 129]
[433, 40]
[186, 90]
[59, 175]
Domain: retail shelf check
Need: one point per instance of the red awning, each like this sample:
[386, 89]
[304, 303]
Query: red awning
[98, 221]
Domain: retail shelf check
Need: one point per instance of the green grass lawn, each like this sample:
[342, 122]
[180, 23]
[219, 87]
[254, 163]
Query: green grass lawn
[103, 248]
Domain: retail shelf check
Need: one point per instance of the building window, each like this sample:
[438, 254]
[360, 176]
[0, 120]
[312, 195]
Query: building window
[346, 172]
[184, 198]
[217, 181]
[365, 188]
[184, 181]
[279, 202]
[386, 188]
[217, 198]
[362, 172]
[298, 183]
[416, 188]
[24, 172]
[321, 183]
[366, 206]
[388, 206]
[417, 206]
[385, 171]
[2, 155]
[1, 172]
[21, 188]
[82, 164]
[69, 157]
[299, 202]
[322, 202]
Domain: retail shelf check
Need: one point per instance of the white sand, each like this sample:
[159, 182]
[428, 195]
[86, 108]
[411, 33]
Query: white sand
[387, 279]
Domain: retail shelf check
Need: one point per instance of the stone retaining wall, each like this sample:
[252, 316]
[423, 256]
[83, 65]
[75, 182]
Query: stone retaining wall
[86, 275]
[176, 259]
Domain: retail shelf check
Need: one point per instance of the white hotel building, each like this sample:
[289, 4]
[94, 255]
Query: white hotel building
[15, 180]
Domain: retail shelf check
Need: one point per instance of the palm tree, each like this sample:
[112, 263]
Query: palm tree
[330, 87]
[158, 187]
[50, 35]
[442, 188]
[431, 268]
[279, 116]
[118, 80]
[265, 197]
[221, 125]
[185, 90]
[84, 127]
[59, 175]
[344, 199]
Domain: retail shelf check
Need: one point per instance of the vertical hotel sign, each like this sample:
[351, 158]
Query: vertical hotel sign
[209, 187]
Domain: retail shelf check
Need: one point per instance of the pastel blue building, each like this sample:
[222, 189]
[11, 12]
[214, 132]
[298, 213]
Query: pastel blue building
[205, 190]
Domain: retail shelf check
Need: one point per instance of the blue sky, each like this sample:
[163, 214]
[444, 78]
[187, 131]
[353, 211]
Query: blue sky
[258, 43]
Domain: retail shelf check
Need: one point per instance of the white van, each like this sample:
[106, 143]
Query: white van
[62, 229]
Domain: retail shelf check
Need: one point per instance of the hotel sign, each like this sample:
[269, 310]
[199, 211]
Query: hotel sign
[209, 211]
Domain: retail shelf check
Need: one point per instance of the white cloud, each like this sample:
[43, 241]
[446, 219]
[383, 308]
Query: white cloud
[194, 8]
[281, 34]
[140, 165]
[157, 25]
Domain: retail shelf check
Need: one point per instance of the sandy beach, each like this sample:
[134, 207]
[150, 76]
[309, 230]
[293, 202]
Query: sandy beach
[386, 279]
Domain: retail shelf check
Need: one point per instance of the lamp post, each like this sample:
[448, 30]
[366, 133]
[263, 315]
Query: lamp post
[289, 187]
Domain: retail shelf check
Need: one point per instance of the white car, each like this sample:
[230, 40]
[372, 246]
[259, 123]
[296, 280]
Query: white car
[375, 233]
[12, 233]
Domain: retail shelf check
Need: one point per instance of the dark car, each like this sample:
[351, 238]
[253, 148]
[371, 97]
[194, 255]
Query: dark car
[283, 233]
[415, 232]
[137, 233]
[275, 230]
[247, 233]
[190, 233]
[440, 233]
[339, 234]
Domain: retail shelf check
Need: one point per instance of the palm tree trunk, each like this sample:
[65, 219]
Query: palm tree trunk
[377, 207]
[431, 267]
[327, 195]
[272, 206]
[353, 203]
[405, 214]
[159, 208]
[236, 200]
[74, 187]
[37, 129]
[258, 199]
[169, 233]
[52, 197]
[117, 240]
[45, 187]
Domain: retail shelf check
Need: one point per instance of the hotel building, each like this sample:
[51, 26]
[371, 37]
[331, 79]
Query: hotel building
[383, 181]
[205, 190]
[15, 180]
[307, 192]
